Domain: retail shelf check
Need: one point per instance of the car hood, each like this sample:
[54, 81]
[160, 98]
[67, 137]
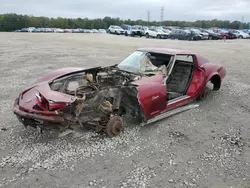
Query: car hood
[27, 99]
[59, 73]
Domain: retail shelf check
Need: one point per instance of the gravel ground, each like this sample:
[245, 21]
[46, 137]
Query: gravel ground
[205, 147]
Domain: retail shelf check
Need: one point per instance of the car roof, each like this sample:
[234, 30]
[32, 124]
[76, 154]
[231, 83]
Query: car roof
[167, 51]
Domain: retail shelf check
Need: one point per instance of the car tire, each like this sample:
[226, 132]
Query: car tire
[147, 35]
[126, 34]
[240, 37]
[210, 38]
[158, 36]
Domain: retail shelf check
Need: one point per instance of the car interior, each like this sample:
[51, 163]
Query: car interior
[178, 80]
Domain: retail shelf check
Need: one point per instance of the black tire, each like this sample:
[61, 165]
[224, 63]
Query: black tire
[147, 35]
[158, 36]
[210, 38]
[126, 34]
[240, 37]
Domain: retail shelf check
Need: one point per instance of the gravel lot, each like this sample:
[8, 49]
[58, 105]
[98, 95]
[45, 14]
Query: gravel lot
[205, 147]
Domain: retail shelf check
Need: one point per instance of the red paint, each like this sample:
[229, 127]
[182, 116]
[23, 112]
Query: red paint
[151, 90]
[197, 82]
[152, 95]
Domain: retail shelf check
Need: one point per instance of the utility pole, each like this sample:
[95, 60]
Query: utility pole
[162, 14]
[242, 22]
[148, 17]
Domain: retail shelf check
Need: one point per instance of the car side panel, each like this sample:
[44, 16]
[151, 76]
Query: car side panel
[152, 95]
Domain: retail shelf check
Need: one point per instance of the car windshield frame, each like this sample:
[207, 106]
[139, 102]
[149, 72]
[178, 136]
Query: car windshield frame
[137, 63]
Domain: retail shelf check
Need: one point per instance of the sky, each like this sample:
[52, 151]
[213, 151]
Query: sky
[184, 10]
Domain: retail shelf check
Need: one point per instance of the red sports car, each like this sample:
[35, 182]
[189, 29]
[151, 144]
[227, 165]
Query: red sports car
[150, 84]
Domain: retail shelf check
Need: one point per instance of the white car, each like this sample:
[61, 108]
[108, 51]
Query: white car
[114, 29]
[156, 33]
[102, 31]
[241, 34]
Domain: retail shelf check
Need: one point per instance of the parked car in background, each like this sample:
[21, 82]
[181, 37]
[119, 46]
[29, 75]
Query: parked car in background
[240, 34]
[225, 34]
[58, 30]
[184, 34]
[155, 33]
[114, 29]
[204, 35]
[211, 34]
[135, 30]
[102, 31]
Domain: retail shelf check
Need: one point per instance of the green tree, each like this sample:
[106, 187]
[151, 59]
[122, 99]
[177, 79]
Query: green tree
[10, 22]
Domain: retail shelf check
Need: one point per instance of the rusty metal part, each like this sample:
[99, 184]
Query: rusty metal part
[106, 107]
[79, 106]
[115, 126]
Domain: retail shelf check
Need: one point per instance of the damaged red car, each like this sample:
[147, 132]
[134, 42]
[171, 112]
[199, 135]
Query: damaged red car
[149, 85]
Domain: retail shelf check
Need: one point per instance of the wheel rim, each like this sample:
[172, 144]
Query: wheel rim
[114, 126]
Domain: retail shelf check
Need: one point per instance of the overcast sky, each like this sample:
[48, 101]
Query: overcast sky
[188, 10]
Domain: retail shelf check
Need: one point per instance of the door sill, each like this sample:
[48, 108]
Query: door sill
[178, 99]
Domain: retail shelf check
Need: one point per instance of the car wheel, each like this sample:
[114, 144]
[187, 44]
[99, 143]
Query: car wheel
[115, 33]
[114, 126]
[126, 34]
[147, 35]
[210, 38]
[240, 37]
[158, 36]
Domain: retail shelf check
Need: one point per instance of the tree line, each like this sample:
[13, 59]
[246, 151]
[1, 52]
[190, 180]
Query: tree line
[11, 22]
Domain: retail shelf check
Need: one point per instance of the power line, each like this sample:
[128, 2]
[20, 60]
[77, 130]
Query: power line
[162, 14]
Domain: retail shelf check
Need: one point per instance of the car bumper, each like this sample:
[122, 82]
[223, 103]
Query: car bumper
[23, 115]
[164, 36]
[120, 32]
[205, 37]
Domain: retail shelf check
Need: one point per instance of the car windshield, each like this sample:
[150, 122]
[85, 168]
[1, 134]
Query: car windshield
[135, 27]
[196, 31]
[187, 31]
[137, 62]
[159, 30]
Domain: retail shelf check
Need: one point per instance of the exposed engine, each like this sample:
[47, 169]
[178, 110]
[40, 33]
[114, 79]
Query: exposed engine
[99, 94]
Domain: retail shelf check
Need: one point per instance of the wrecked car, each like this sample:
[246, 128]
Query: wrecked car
[148, 85]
